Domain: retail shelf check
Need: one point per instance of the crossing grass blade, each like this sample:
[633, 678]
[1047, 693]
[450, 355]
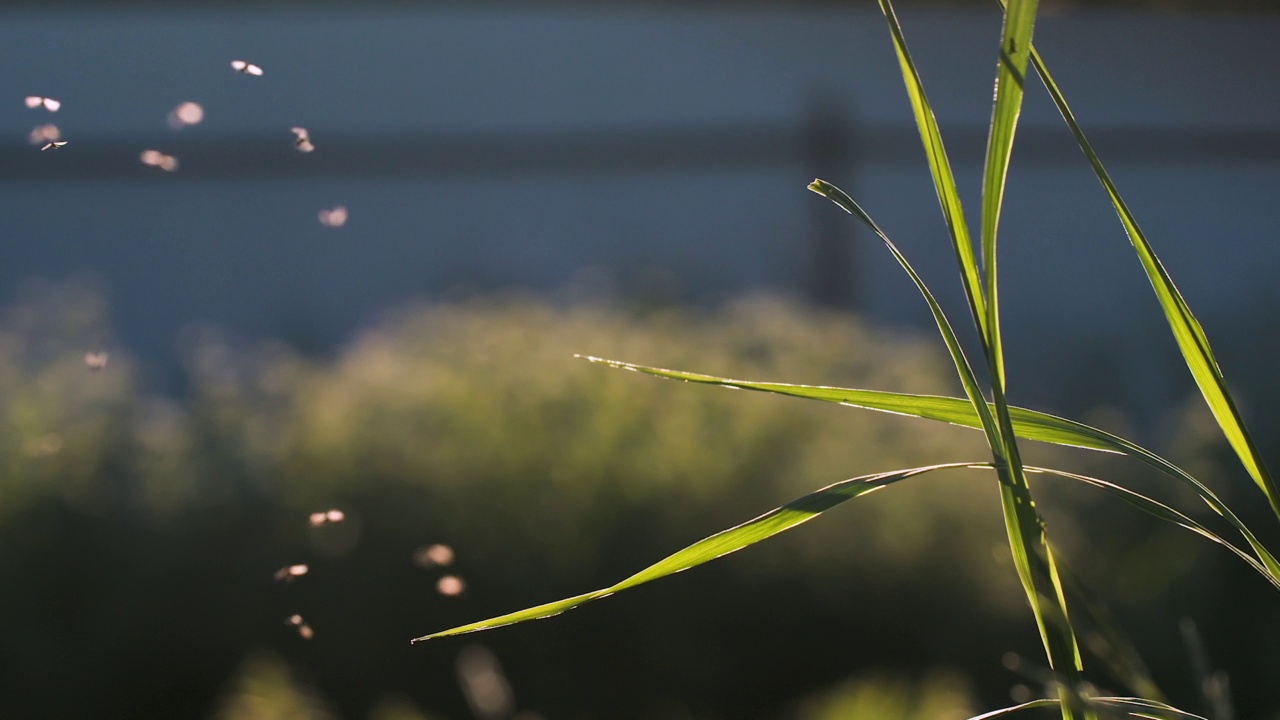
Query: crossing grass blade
[1163, 512]
[1027, 424]
[1186, 329]
[798, 512]
[1032, 555]
[736, 538]
[944, 180]
[1109, 643]
[1129, 707]
[1015, 44]
[963, 368]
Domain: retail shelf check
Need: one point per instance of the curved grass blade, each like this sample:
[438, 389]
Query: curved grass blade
[944, 180]
[1028, 543]
[1015, 44]
[1029, 705]
[963, 368]
[1027, 424]
[1186, 328]
[1032, 555]
[1111, 645]
[795, 513]
[722, 543]
[1161, 511]
[1128, 706]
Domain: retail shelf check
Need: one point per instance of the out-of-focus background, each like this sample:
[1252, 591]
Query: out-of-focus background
[385, 326]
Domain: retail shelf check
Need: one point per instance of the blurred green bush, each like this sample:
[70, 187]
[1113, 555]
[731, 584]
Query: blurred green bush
[139, 534]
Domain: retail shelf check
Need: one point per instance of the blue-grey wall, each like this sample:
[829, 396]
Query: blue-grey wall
[721, 103]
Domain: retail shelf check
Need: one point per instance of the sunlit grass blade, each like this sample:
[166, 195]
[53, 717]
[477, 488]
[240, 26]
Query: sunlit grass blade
[1027, 424]
[963, 368]
[1011, 72]
[944, 180]
[1161, 511]
[736, 538]
[1032, 555]
[1186, 328]
[1109, 643]
[1144, 708]
[1029, 705]
[1126, 706]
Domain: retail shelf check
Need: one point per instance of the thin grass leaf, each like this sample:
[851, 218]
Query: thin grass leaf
[1032, 555]
[1027, 424]
[1030, 705]
[944, 180]
[1163, 512]
[1143, 708]
[1186, 328]
[1015, 43]
[722, 543]
[1118, 652]
[963, 368]
[1128, 706]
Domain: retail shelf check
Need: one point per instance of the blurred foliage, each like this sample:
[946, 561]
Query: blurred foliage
[265, 689]
[139, 534]
[937, 697]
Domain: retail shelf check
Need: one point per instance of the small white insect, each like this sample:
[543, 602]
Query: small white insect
[289, 572]
[302, 139]
[335, 217]
[35, 101]
[53, 146]
[95, 360]
[247, 68]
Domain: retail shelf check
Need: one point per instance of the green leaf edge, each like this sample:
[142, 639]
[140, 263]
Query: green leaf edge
[1027, 424]
[798, 512]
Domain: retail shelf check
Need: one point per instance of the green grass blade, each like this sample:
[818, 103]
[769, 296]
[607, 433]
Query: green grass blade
[1143, 708]
[1161, 511]
[1186, 328]
[1032, 555]
[1029, 705]
[1117, 651]
[940, 166]
[1130, 707]
[963, 368]
[1015, 44]
[753, 531]
[1027, 424]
